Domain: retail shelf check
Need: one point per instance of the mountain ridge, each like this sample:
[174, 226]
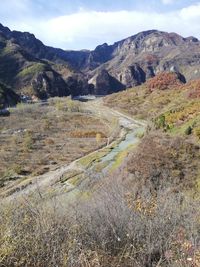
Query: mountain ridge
[28, 66]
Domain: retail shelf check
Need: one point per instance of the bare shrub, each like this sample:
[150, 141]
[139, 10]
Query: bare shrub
[144, 215]
[123, 235]
[33, 235]
[107, 229]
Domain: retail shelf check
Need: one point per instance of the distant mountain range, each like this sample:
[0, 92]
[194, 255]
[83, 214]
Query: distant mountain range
[29, 67]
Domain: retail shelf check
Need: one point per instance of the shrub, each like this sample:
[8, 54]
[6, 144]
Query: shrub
[163, 81]
[188, 130]
[47, 123]
[49, 141]
[193, 89]
[108, 230]
[160, 122]
[74, 106]
[28, 141]
[61, 105]
[197, 132]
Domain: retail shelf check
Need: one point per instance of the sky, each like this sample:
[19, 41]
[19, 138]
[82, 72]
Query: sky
[84, 24]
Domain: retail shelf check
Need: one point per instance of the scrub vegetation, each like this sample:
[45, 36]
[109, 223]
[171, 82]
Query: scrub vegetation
[37, 138]
[142, 212]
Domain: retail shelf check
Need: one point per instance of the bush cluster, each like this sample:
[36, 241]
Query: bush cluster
[163, 81]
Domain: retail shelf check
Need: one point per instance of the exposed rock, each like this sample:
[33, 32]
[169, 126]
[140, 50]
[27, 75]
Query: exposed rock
[21, 69]
[27, 64]
[7, 96]
[78, 85]
[132, 76]
[49, 84]
[150, 53]
[105, 84]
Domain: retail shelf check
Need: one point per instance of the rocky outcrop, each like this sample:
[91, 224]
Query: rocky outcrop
[109, 68]
[49, 84]
[78, 85]
[142, 56]
[7, 97]
[23, 68]
[105, 84]
[132, 76]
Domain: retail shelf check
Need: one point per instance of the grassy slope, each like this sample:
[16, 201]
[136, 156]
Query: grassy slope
[173, 116]
[172, 110]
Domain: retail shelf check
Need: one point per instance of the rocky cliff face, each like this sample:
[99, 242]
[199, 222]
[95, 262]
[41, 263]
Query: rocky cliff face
[140, 57]
[132, 76]
[105, 84]
[27, 65]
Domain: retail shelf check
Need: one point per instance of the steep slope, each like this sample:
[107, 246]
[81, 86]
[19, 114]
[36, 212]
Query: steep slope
[168, 104]
[27, 74]
[29, 66]
[31, 45]
[134, 60]
[105, 84]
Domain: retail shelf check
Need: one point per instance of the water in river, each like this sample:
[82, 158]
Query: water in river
[130, 139]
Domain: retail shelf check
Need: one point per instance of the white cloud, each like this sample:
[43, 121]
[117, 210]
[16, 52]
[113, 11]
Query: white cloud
[87, 29]
[191, 13]
[93, 28]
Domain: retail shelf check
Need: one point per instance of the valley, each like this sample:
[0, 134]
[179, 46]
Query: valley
[29, 67]
[99, 152]
[136, 174]
[22, 176]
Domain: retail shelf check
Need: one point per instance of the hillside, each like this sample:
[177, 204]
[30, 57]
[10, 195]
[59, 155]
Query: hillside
[31, 68]
[111, 182]
[7, 96]
[166, 102]
[135, 59]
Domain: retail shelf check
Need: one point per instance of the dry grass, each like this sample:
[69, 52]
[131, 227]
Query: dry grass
[116, 226]
[141, 103]
[175, 110]
[36, 138]
[144, 214]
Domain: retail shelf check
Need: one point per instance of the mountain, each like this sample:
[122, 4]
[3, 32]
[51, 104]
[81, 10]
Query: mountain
[29, 67]
[134, 60]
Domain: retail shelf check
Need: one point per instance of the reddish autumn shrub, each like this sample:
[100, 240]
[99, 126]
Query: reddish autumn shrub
[163, 81]
[193, 88]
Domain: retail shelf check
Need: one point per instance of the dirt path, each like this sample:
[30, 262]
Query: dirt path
[51, 180]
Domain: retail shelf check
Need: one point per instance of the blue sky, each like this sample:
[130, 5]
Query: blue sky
[84, 24]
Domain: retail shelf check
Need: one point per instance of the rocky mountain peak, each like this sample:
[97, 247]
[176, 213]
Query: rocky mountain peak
[25, 60]
[192, 39]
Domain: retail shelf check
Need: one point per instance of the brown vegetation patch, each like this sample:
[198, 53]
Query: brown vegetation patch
[36, 138]
[87, 134]
[193, 89]
[161, 161]
[163, 81]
